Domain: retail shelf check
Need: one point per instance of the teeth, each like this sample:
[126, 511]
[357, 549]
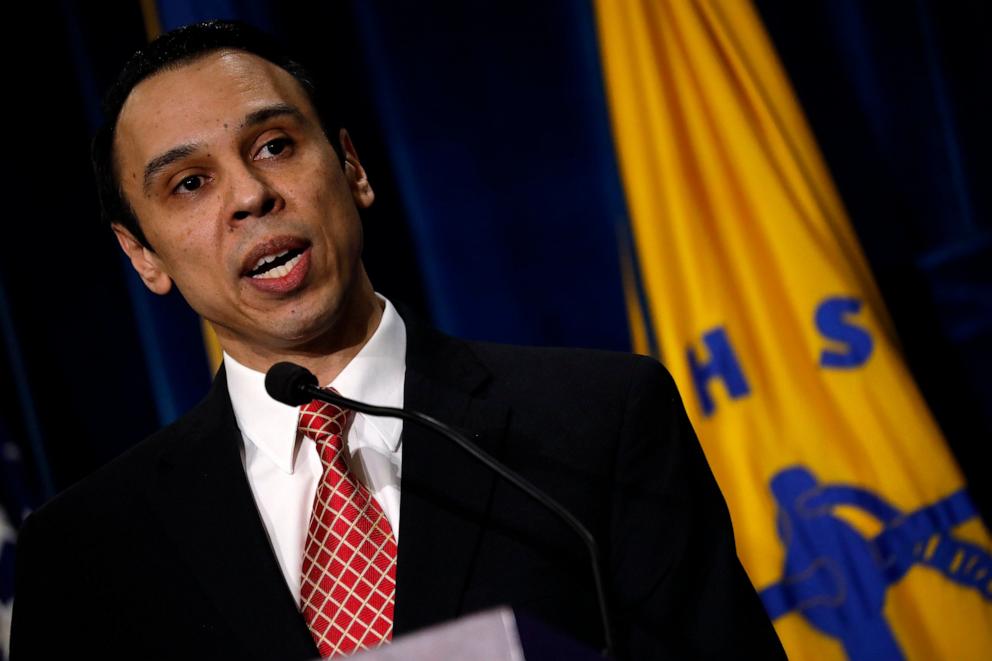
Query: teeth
[279, 271]
[268, 258]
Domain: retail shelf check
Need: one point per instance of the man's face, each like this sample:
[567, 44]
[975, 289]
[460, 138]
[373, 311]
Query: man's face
[225, 165]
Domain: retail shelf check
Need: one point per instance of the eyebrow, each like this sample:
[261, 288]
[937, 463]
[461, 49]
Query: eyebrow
[255, 118]
[276, 110]
[163, 161]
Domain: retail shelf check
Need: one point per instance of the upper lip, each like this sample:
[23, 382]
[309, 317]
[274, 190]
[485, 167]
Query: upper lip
[272, 246]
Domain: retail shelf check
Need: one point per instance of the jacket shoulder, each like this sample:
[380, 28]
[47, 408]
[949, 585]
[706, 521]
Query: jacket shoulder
[115, 484]
[598, 372]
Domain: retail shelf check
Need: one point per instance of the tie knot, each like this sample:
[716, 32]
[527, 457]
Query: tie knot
[322, 421]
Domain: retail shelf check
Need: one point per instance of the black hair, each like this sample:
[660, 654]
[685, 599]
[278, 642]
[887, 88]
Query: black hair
[170, 51]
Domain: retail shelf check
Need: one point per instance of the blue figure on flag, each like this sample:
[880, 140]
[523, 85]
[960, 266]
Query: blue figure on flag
[837, 578]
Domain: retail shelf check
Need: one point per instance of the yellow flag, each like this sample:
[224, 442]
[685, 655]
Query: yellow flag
[849, 511]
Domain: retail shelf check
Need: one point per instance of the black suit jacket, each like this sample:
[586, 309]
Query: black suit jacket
[162, 554]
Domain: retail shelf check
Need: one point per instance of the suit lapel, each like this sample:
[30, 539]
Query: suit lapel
[203, 497]
[445, 493]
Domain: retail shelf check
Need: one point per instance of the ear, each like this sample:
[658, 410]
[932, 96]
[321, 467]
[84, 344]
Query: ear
[144, 260]
[357, 178]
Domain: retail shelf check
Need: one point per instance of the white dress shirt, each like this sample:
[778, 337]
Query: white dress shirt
[283, 466]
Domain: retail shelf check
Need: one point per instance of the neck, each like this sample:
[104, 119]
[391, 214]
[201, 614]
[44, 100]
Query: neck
[327, 355]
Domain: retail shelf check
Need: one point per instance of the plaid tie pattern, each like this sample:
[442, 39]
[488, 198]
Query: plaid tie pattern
[349, 561]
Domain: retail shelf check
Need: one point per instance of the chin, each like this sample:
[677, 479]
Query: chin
[305, 327]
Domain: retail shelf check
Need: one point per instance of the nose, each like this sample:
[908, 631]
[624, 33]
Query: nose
[252, 195]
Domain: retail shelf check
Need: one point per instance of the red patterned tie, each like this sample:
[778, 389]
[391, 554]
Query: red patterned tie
[349, 562]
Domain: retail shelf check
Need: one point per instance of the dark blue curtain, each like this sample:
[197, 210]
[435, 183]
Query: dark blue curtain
[499, 137]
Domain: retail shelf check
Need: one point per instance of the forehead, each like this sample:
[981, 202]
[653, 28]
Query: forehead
[197, 101]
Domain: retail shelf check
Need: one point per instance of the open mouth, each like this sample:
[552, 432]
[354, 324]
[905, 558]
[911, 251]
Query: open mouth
[278, 265]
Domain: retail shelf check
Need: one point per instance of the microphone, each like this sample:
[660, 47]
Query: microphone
[285, 382]
[296, 385]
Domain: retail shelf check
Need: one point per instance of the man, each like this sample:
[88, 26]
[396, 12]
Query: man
[222, 174]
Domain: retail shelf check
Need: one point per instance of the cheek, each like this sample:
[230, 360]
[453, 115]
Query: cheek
[322, 195]
[192, 249]
[196, 240]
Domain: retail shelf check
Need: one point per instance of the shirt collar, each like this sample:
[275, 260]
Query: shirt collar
[375, 375]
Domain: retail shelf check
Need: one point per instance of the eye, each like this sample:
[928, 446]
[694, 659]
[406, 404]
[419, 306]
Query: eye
[273, 148]
[189, 184]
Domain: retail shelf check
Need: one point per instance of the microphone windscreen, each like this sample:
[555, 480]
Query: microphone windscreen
[285, 382]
